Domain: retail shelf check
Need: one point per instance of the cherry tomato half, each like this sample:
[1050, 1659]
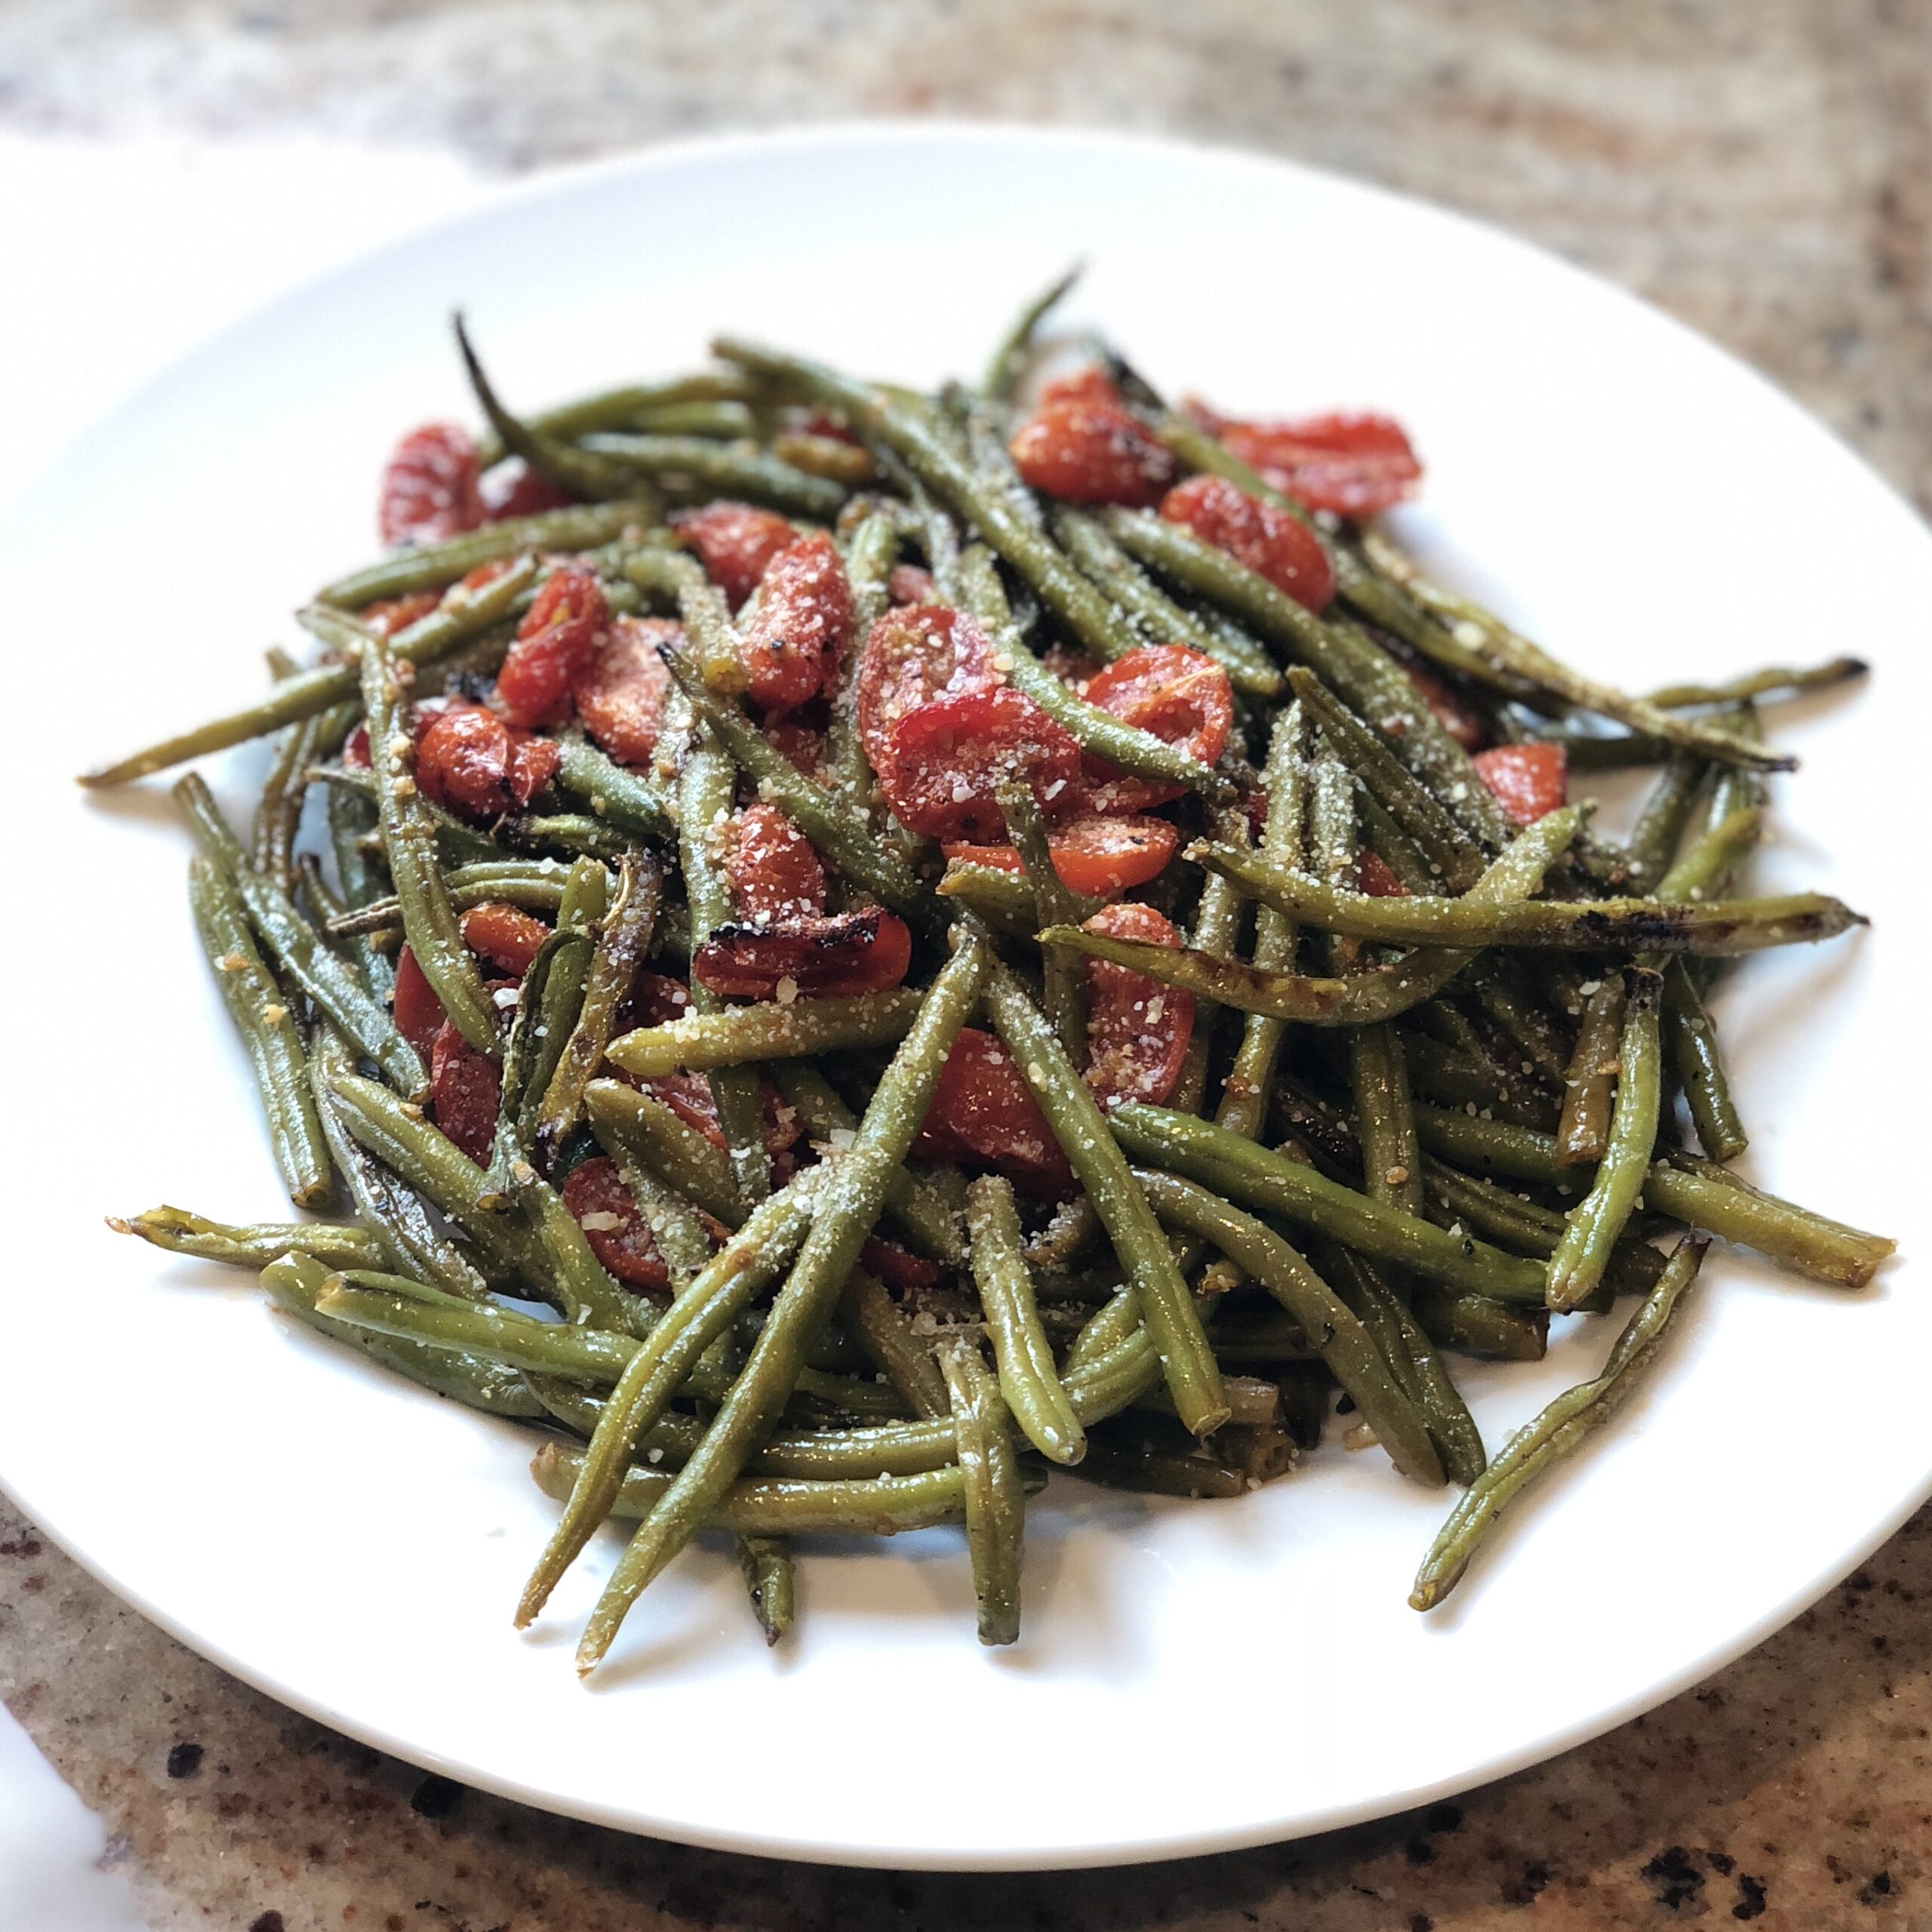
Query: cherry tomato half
[982, 1109]
[774, 873]
[948, 758]
[464, 1092]
[1355, 464]
[506, 936]
[804, 615]
[1528, 780]
[1097, 855]
[418, 1013]
[1269, 541]
[557, 637]
[818, 953]
[1182, 698]
[470, 761]
[607, 1212]
[911, 656]
[620, 692]
[1137, 1029]
[734, 542]
[1083, 445]
[429, 492]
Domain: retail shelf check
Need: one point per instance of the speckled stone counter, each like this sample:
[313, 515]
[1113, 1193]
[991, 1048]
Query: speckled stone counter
[1764, 169]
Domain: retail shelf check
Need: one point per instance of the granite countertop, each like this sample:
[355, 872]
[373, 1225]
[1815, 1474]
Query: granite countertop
[1763, 170]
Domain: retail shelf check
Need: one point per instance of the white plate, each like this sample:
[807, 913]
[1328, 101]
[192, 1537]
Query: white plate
[1192, 1677]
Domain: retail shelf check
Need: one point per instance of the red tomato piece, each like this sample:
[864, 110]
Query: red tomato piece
[734, 542]
[1374, 877]
[392, 615]
[429, 492]
[982, 1109]
[1083, 445]
[1355, 464]
[818, 953]
[607, 1211]
[557, 637]
[1528, 780]
[618, 691]
[1095, 855]
[356, 749]
[798, 745]
[911, 656]
[1137, 1029]
[948, 758]
[804, 614]
[1183, 698]
[468, 760]
[909, 584]
[506, 936]
[688, 1096]
[774, 873]
[898, 1267]
[513, 488]
[1269, 541]
[1465, 725]
[464, 1091]
[418, 1013]
[655, 999]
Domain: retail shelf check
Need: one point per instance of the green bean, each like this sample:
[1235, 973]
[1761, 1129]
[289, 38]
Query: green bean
[724, 469]
[850, 1204]
[880, 421]
[1007, 370]
[754, 1257]
[1323, 1319]
[725, 420]
[578, 833]
[1152, 1472]
[253, 1244]
[296, 1281]
[1693, 1051]
[776, 1506]
[920, 1209]
[1391, 1161]
[1002, 899]
[1064, 979]
[1709, 860]
[327, 979]
[767, 1031]
[579, 528]
[1653, 841]
[1275, 1185]
[409, 843]
[622, 944]
[1595, 1224]
[351, 819]
[1454, 1078]
[1502, 992]
[554, 1001]
[611, 409]
[766, 1563]
[870, 554]
[1759, 683]
[255, 1005]
[1028, 1381]
[1100, 1167]
[709, 635]
[622, 797]
[1477, 1326]
[1560, 1428]
[996, 1504]
[874, 1321]
[1719, 926]
[1244, 1094]
[1493, 1212]
[1698, 1193]
[641, 1126]
[1086, 540]
[278, 810]
[833, 824]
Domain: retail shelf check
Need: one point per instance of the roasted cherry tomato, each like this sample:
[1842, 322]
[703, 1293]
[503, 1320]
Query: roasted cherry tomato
[1373, 878]
[470, 761]
[1182, 698]
[947, 759]
[817, 954]
[911, 657]
[799, 745]
[734, 542]
[898, 1267]
[506, 936]
[688, 1096]
[909, 583]
[655, 999]
[513, 488]
[1137, 1029]
[1269, 541]
[428, 490]
[418, 1013]
[464, 1091]
[1096, 855]
[1463, 723]
[557, 637]
[1083, 445]
[620, 691]
[774, 873]
[356, 749]
[395, 614]
[1355, 465]
[983, 1110]
[804, 615]
[1528, 780]
[607, 1211]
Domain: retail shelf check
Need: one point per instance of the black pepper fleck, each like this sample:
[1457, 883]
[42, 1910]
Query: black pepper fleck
[267, 1921]
[1672, 1877]
[1879, 1886]
[1443, 1818]
[1750, 1897]
[435, 1797]
[184, 1760]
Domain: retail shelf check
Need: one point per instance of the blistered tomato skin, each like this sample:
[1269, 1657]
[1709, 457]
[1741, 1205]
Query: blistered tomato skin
[469, 761]
[1356, 464]
[418, 1013]
[1137, 1029]
[599, 1201]
[803, 617]
[1528, 780]
[1463, 724]
[396, 614]
[513, 488]
[898, 1267]
[818, 955]
[983, 1110]
[1373, 878]
[688, 1096]
[557, 639]
[948, 758]
[506, 936]
[774, 873]
[734, 542]
[619, 691]
[464, 1091]
[1083, 446]
[911, 657]
[909, 583]
[1095, 855]
[1269, 541]
[1178, 695]
[429, 492]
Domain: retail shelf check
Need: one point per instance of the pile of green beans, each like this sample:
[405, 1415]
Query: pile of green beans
[1403, 1127]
